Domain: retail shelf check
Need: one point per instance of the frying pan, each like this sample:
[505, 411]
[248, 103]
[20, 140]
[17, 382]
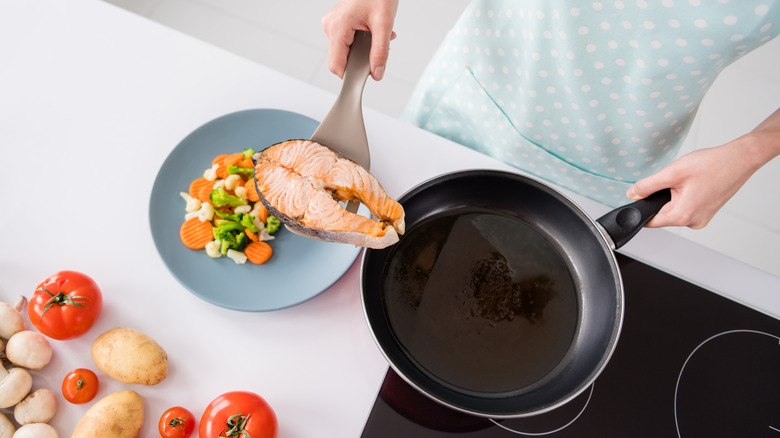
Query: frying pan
[584, 247]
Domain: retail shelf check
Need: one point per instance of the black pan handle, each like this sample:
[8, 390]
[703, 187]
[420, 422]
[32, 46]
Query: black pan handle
[624, 222]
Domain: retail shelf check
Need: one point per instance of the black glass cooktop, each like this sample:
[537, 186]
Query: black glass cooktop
[689, 363]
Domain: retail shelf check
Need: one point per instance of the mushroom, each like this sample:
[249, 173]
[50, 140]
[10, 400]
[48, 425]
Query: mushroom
[7, 428]
[36, 430]
[11, 320]
[14, 385]
[28, 349]
[38, 407]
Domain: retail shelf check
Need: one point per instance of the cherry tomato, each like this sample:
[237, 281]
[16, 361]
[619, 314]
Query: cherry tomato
[176, 422]
[238, 414]
[80, 386]
[65, 305]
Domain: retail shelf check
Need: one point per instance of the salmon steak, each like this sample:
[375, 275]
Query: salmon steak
[301, 182]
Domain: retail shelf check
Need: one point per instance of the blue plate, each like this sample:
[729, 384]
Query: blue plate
[300, 268]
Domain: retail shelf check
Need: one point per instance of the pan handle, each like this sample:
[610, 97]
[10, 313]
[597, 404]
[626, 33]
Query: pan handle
[622, 223]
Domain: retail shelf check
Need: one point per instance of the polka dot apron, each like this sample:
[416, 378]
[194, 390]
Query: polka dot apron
[591, 96]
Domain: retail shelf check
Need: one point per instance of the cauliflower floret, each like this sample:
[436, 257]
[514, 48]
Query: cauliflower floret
[212, 249]
[205, 213]
[231, 181]
[237, 256]
[242, 209]
[241, 192]
[192, 203]
[262, 235]
[218, 184]
[211, 174]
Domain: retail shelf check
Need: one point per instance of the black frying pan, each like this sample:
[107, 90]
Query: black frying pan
[503, 299]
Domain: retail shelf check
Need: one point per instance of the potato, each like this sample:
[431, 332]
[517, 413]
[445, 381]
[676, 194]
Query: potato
[130, 356]
[117, 415]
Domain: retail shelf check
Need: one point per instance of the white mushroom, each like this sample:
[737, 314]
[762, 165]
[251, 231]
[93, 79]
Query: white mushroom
[28, 349]
[11, 320]
[7, 428]
[38, 407]
[14, 385]
[36, 430]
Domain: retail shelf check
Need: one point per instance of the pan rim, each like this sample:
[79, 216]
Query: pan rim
[603, 242]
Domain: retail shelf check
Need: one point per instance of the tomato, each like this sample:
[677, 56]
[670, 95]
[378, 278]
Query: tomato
[238, 414]
[80, 386]
[65, 305]
[176, 422]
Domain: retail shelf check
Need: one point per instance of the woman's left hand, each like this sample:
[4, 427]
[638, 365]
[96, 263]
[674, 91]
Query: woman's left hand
[704, 180]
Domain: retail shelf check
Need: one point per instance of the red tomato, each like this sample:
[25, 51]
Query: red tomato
[80, 386]
[176, 422]
[238, 414]
[65, 305]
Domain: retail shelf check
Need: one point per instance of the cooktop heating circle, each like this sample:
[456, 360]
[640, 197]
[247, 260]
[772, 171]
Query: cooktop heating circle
[717, 394]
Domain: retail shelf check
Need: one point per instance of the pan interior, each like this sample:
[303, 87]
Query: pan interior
[482, 301]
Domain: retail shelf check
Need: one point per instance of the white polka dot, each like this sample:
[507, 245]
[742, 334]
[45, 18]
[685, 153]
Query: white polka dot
[619, 5]
[590, 48]
[612, 44]
[583, 30]
[605, 25]
[695, 2]
[575, 12]
[761, 10]
[707, 42]
[730, 20]
[598, 65]
[700, 23]
[649, 25]
[667, 3]
[674, 23]
[681, 42]
[663, 62]
[655, 44]
[736, 38]
[642, 4]
[597, 6]
[626, 24]
[688, 60]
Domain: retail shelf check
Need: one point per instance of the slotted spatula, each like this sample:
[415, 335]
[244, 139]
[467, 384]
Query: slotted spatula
[343, 129]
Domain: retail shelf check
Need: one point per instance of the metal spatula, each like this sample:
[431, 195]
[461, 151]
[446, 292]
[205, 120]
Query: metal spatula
[343, 129]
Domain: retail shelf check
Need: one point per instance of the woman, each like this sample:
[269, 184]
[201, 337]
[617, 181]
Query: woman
[593, 96]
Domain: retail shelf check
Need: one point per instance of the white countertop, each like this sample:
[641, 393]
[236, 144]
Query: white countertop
[92, 100]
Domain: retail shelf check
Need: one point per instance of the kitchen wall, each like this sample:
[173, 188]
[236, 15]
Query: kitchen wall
[287, 36]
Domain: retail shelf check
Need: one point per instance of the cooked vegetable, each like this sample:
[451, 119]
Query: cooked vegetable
[231, 235]
[176, 422]
[199, 184]
[219, 198]
[36, 430]
[272, 224]
[238, 414]
[38, 407]
[28, 349]
[15, 384]
[195, 233]
[118, 415]
[65, 305]
[258, 252]
[130, 356]
[80, 386]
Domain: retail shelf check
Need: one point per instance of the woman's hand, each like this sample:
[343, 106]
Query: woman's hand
[341, 22]
[704, 180]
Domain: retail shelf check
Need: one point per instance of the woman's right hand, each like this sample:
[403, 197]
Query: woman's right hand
[341, 22]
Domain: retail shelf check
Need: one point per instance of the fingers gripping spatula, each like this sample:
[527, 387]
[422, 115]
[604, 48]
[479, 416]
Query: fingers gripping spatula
[343, 129]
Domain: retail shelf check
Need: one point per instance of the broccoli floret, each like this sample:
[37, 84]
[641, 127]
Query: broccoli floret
[248, 222]
[219, 197]
[248, 152]
[231, 235]
[272, 224]
[235, 217]
[235, 169]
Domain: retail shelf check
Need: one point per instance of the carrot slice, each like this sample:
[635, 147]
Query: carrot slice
[251, 190]
[262, 212]
[204, 194]
[246, 163]
[196, 234]
[251, 235]
[197, 185]
[258, 252]
[232, 159]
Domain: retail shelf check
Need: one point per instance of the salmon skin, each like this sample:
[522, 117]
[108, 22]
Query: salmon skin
[301, 182]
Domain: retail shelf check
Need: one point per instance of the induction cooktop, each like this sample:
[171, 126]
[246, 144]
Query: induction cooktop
[689, 363]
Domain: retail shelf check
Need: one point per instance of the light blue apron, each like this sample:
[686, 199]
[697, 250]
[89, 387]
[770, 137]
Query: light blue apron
[591, 96]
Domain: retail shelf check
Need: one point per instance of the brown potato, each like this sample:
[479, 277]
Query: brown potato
[130, 356]
[117, 415]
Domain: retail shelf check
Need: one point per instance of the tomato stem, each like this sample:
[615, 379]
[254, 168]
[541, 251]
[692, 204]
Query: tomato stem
[236, 425]
[177, 422]
[61, 299]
